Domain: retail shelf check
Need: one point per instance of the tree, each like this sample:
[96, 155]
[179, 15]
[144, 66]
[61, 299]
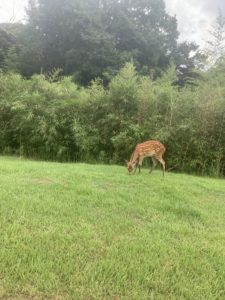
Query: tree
[215, 49]
[72, 37]
[8, 38]
[187, 58]
[96, 38]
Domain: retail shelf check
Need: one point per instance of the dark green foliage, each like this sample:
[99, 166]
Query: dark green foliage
[52, 118]
[187, 60]
[8, 39]
[94, 39]
[5, 42]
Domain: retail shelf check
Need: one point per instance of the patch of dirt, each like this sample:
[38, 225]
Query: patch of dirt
[42, 181]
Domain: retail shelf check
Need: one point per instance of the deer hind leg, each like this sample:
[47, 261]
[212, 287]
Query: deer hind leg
[162, 162]
[154, 161]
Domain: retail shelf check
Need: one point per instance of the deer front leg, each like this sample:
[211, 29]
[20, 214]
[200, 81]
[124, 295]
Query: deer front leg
[135, 167]
[140, 164]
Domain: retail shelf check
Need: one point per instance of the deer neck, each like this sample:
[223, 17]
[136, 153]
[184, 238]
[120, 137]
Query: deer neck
[134, 157]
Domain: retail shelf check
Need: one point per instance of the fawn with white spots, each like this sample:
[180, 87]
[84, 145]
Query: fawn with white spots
[153, 149]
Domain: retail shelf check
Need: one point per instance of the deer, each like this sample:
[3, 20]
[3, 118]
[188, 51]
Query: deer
[153, 149]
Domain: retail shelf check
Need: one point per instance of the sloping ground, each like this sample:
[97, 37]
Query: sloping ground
[77, 231]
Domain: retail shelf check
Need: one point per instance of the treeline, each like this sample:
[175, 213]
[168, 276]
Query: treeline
[52, 118]
[95, 38]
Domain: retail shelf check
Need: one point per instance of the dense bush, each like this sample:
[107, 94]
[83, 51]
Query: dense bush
[52, 118]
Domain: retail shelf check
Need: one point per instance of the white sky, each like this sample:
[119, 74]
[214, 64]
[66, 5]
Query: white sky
[194, 16]
[12, 10]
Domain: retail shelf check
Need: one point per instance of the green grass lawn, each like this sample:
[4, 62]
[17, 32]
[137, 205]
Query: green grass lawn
[79, 231]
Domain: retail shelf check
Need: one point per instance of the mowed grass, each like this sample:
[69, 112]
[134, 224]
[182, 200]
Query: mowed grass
[79, 231]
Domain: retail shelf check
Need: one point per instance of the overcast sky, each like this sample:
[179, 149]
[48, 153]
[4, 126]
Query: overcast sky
[194, 16]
